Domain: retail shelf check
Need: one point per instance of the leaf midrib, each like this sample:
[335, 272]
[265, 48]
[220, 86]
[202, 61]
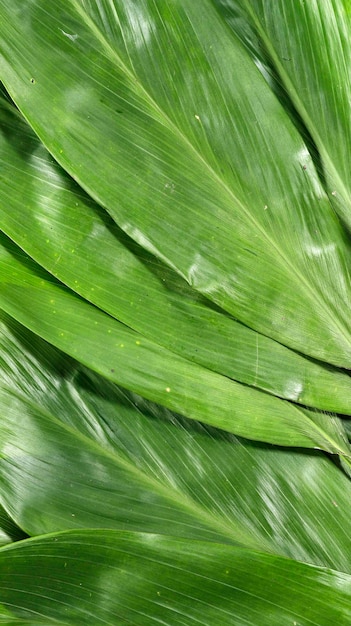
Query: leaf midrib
[292, 270]
[167, 491]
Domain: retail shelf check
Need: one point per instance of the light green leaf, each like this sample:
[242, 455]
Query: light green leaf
[189, 180]
[125, 357]
[77, 451]
[69, 235]
[308, 45]
[83, 578]
[185, 156]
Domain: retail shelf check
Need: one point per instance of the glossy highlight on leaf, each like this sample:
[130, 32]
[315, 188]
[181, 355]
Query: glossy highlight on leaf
[110, 577]
[123, 356]
[195, 164]
[308, 46]
[114, 460]
[175, 338]
[74, 240]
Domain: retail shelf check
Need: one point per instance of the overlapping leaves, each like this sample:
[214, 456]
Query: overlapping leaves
[78, 452]
[73, 238]
[182, 144]
[167, 221]
[307, 47]
[161, 473]
[38, 301]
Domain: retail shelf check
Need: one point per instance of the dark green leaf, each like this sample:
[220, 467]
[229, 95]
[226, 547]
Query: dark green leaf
[78, 452]
[8, 530]
[308, 45]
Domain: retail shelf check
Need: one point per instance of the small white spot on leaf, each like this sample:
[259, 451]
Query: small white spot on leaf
[71, 37]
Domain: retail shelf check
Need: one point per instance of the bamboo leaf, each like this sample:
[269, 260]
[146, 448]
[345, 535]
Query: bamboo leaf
[308, 45]
[80, 578]
[125, 357]
[8, 530]
[79, 452]
[73, 239]
[193, 170]
[170, 251]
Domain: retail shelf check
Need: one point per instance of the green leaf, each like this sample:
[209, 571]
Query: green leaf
[77, 451]
[193, 170]
[69, 235]
[308, 45]
[200, 175]
[121, 355]
[8, 530]
[80, 578]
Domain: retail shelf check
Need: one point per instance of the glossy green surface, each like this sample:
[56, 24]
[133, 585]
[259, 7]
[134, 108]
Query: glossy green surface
[185, 156]
[168, 240]
[79, 452]
[80, 578]
[8, 530]
[37, 301]
[308, 46]
[73, 238]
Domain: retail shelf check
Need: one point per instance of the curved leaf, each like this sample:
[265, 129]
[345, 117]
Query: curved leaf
[72, 238]
[185, 156]
[80, 578]
[309, 46]
[8, 530]
[123, 356]
[163, 118]
[77, 452]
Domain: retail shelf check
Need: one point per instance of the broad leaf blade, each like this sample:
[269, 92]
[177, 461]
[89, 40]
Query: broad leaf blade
[74, 239]
[121, 355]
[309, 46]
[80, 578]
[114, 460]
[188, 176]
